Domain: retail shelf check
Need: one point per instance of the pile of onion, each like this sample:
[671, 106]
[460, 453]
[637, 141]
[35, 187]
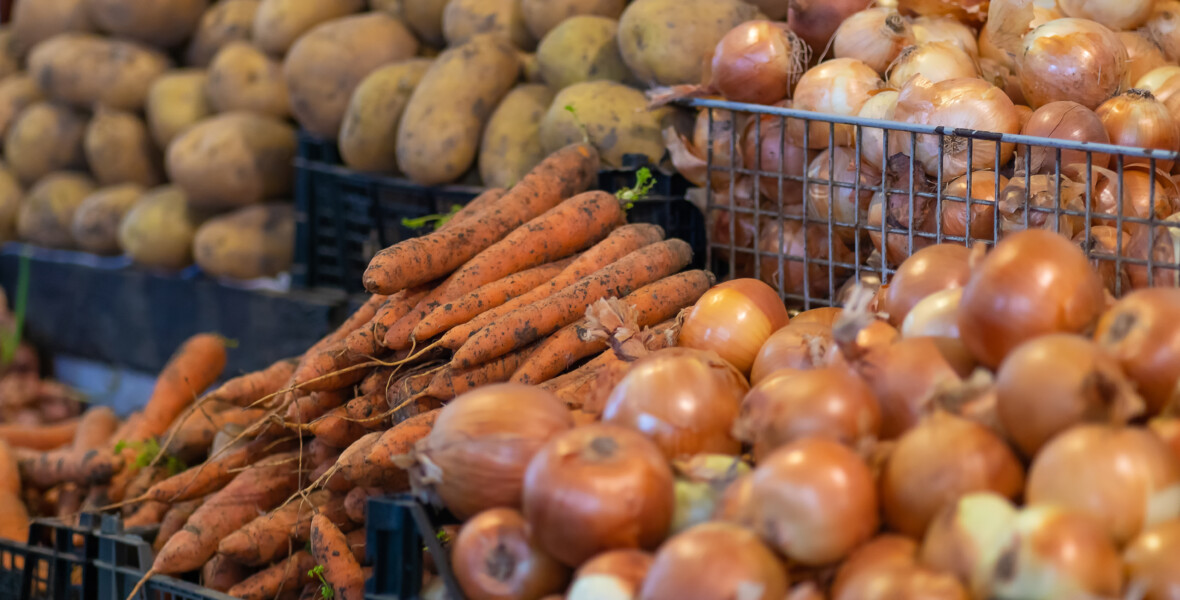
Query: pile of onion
[817, 20]
[972, 12]
[1071, 59]
[758, 62]
[1153, 559]
[494, 556]
[799, 345]
[934, 61]
[1161, 27]
[945, 29]
[1143, 56]
[905, 206]
[1116, 14]
[887, 567]
[1037, 202]
[734, 319]
[767, 150]
[832, 190]
[871, 143]
[690, 157]
[614, 575]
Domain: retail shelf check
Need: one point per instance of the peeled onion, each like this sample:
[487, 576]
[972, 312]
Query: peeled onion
[929, 270]
[613, 575]
[1143, 55]
[495, 558]
[1152, 560]
[945, 29]
[983, 206]
[1135, 118]
[1057, 553]
[1071, 59]
[935, 61]
[839, 86]
[758, 62]
[796, 346]
[874, 36]
[574, 486]
[1140, 332]
[734, 319]
[1069, 121]
[715, 560]
[1116, 14]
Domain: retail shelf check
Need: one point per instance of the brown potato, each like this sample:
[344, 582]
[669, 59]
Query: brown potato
[226, 21]
[176, 101]
[120, 150]
[425, 17]
[666, 42]
[541, 16]
[583, 48]
[9, 57]
[464, 19]
[161, 23]
[85, 69]
[233, 159]
[325, 66]
[45, 138]
[47, 214]
[243, 77]
[511, 144]
[11, 196]
[248, 243]
[158, 230]
[280, 23]
[393, 7]
[368, 136]
[615, 117]
[16, 92]
[96, 221]
[36, 21]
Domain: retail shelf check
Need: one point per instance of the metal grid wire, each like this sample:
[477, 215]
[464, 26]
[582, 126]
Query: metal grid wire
[826, 215]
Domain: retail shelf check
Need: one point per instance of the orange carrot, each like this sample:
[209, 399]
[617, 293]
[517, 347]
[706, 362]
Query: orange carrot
[486, 297]
[371, 462]
[15, 524]
[335, 429]
[221, 573]
[368, 410]
[286, 576]
[652, 304]
[356, 503]
[273, 535]
[419, 260]
[39, 437]
[191, 437]
[530, 323]
[452, 381]
[9, 470]
[306, 409]
[195, 366]
[148, 514]
[214, 474]
[84, 462]
[587, 386]
[366, 340]
[173, 521]
[247, 389]
[331, 549]
[618, 244]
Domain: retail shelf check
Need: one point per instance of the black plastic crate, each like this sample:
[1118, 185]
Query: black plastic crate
[400, 530]
[56, 563]
[123, 559]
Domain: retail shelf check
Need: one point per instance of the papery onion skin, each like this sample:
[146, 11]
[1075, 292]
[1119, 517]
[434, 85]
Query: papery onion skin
[1071, 59]
[875, 335]
[942, 459]
[690, 157]
[1167, 429]
[1065, 120]
[495, 559]
[825, 315]
[1116, 14]
[874, 35]
[1135, 118]
[734, 319]
[758, 62]
[814, 501]
[1033, 283]
[839, 86]
[796, 346]
[1163, 26]
[929, 270]
[936, 61]
[573, 488]
[967, 538]
[1140, 331]
[1141, 193]
[945, 29]
[735, 504]
[847, 205]
[1058, 553]
[613, 575]
[1053, 382]
[715, 560]
[1162, 82]
[1036, 202]
[1152, 559]
[1143, 56]
[1124, 477]
[484, 440]
[894, 214]
[983, 206]
[883, 552]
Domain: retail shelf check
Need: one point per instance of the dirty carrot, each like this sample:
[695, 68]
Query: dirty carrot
[215, 473]
[331, 550]
[452, 381]
[366, 340]
[372, 464]
[306, 409]
[357, 501]
[173, 521]
[280, 578]
[587, 386]
[39, 437]
[247, 389]
[194, 435]
[336, 429]
[222, 573]
[148, 514]
[195, 366]
[272, 536]
[86, 461]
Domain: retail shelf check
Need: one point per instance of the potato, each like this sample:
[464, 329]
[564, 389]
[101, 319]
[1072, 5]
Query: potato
[243, 77]
[541, 16]
[582, 48]
[38, 20]
[530, 67]
[233, 159]
[425, 17]
[393, 7]
[85, 69]
[47, 213]
[161, 23]
[120, 150]
[9, 57]
[279, 23]
[175, 102]
[11, 196]
[464, 19]
[226, 21]
[325, 66]
[439, 134]
[251, 242]
[368, 135]
[616, 119]
[16, 92]
[511, 143]
[96, 222]
[158, 230]
[666, 42]
[45, 138]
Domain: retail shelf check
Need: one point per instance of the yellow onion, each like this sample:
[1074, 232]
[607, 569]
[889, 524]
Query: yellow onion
[893, 215]
[785, 239]
[1116, 14]
[614, 575]
[701, 483]
[1142, 196]
[1033, 203]
[1139, 331]
[1064, 120]
[880, 106]
[847, 205]
[887, 568]
[1159, 246]
[839, 86]
[816, 21]
[929, 270]
[1163, 26]
[935, 61]
[758, 61]
[766, 150]
[690, 157]
[968, 539]
[1103, 249]
[715, 560]
[936, 315]
[1057, 553]
[1152, 560]
[984, 188]
[1071, 59]
[494, 557]
[874, 36]
[1163, 83]
[1135, 118]
[972, 12]
[794, 347]
[734, 319]
[1143, 56]
[945, 29]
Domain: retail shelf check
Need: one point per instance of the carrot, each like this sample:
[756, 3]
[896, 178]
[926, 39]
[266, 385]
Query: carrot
[356, 503]
[215, 473]
[651, 303]
[9, 470]
[247, 389]
[366, 340]
[221, 573]
[618, 244]
[195, 366]
[331, 550]
[256, 489]
[419, 260]
[335, 429]
[173, 521]
[371, 463]
[273, 535]
[306, 409]
[191, 437]
[287, 575]
[328, 477]
[368, 410]
[530, 323]
[452, 381]
[474, 208]
[356, 543]
[332, 368]
[85, 462]
[15, 522]
[486, 297]
[148, 514]
[143, 480]
[587, 387]
[39, 437]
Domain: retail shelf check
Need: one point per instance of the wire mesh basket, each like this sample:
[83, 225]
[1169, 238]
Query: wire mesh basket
[848, 198]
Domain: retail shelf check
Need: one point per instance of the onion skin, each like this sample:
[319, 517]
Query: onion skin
[971, 12]
[871, 144]
[1153, 559]
[495, 559]
[942, 459]
[736, 504]
[1161, 27]
[799, 345]
[847, 205]
[1065, 120]
[785, 237]
[1071, 59]
[814, 501]
[1102, 249]
[734, 319]
[715, 560]
[1140, 332]
[1167, 429]
[1124, 478]
[768, 150]
[758, 62]
[932, 269]
[1033, 283]
[945, 29]
[936, 315]
[575, 486]
[983, 206]
[1143, 56]
[1051, 383]
[1057, 553]
[614, 575]
[936, 61]
[483, 441]
[825, 315]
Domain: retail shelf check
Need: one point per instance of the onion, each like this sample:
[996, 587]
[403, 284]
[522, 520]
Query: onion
[1057, 553]
[904, 376]
[495, 559]
[983, 207]
[847, 205]
[1033, 283]
[814, 500]
[1125, 478]
[929, 270]
[1143, 56]
[972, 12]
[939, 461]
[839, 86]
[1140, 332]
[735, 504]
[794, 347]
[575, 485]
[871, 143]
[1152, 560]
[476, 454]
[1143, 194]
[886, 568]
[882, 553]
[715, 560]
[936, 315]
[967, 539]
[1163, 27]
[1102, 249]
[935, 61]
[817, 20]
[956, 103]
[945, 29]
[890, 233]
[874, 36]
[1162, 246]
[1116, 14]
[1168, 430]
[1162, 82]
[785, 238]
[701, 482]
[1135, 118]
[1070, 121]
[825, 315]
[771, 153]
[831, 403]
[690, 157]
[734, 319]
[758, 62]
[1071, 59]
[614, 575]
[1034, 203]
[874, 335]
